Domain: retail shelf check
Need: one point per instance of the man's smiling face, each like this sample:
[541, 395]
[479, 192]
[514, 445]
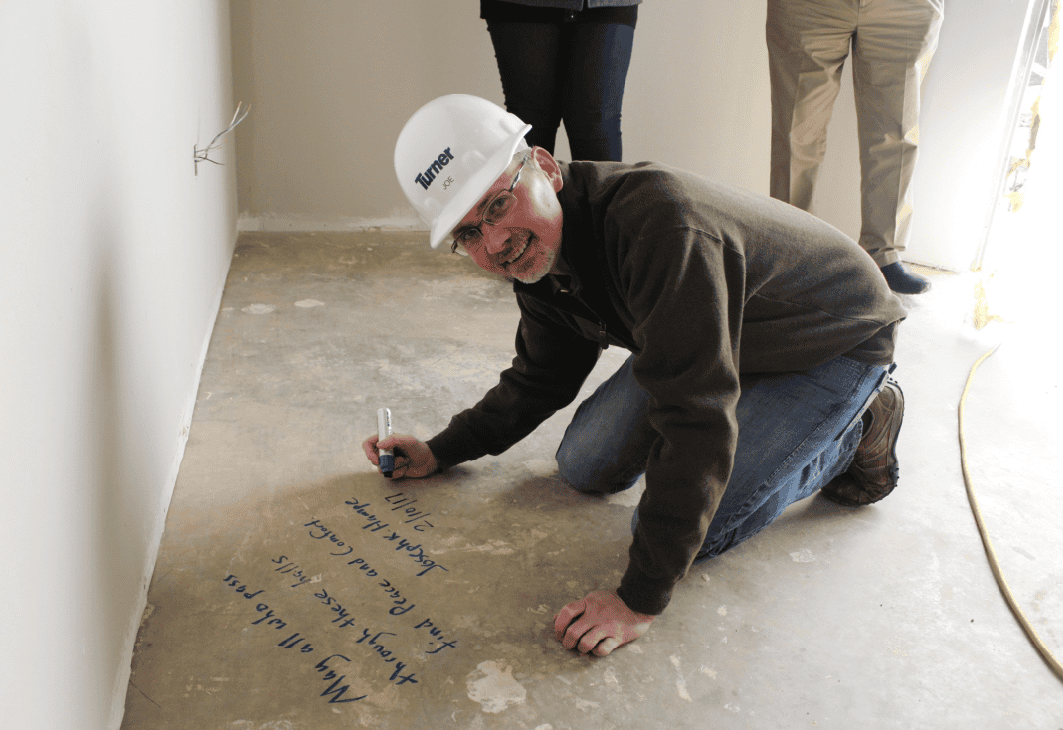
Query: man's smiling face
[515, 228]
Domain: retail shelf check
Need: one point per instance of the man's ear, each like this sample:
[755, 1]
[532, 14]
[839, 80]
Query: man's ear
[546, 162]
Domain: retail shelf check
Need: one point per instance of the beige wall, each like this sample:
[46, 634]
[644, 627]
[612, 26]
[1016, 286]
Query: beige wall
[113, 254]
[331, 84]
[333, 81]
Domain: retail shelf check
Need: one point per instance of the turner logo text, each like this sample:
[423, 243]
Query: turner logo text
[428, 176]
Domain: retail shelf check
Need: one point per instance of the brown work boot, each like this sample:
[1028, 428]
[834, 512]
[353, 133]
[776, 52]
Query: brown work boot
[873, 473]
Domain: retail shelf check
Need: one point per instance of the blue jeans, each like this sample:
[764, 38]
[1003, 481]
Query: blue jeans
[570, 71]
[797, 431]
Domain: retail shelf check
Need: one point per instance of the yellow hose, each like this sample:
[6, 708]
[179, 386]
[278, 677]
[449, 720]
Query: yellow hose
[1031, 633]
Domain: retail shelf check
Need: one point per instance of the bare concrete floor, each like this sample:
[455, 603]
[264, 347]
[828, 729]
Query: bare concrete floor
[297, 589]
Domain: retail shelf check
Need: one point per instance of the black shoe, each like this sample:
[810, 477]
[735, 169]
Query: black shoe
[903, 281]
[873, 473]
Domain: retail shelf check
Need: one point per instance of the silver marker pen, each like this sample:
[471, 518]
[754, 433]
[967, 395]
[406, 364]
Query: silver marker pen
[383, 430]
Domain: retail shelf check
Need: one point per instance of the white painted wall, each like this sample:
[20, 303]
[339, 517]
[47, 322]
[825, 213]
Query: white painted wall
[333, 82]
[113, 255]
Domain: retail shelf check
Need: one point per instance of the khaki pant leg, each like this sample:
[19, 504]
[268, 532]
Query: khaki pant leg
[894, 43]
[808, 41]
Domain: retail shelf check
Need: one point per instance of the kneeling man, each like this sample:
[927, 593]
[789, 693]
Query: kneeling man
[761, 341]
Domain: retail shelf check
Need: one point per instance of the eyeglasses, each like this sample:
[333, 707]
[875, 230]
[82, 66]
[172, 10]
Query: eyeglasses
[469, 237]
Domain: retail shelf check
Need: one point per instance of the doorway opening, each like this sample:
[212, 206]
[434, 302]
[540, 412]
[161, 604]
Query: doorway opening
[1022, 256]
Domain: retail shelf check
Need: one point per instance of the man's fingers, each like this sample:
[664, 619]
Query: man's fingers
[402, 464]
[388, 443]
[587, 638]
[373, 446]
[591, 639]
[370, 449]
[567, 615]
[575, 633]
[606, 646]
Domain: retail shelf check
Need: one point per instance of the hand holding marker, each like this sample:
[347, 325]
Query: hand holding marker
[414, 458]
[383, 429]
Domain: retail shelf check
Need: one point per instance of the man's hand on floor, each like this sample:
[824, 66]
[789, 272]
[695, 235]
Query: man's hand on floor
[413, 458]
[599, 623]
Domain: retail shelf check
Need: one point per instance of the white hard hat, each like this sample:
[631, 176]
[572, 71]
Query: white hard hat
[450, 152]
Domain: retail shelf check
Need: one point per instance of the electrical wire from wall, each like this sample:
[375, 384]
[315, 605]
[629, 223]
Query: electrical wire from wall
[991, 553]
[203, 155]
